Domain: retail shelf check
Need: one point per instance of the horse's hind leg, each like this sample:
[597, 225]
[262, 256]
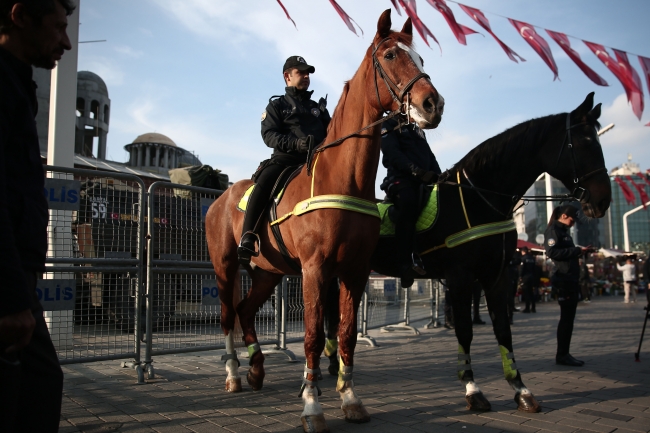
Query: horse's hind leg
[496, 300]
[352, 288]
[332, 319]
[461, 296]
[262, 285]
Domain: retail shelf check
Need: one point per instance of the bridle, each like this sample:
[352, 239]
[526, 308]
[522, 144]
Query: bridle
[392, 88]
[579, 193]
[390, 85]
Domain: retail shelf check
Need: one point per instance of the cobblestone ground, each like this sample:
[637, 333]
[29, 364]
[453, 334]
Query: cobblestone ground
[407, 384]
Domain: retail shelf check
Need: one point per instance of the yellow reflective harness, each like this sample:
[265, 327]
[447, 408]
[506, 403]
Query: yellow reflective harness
[330, 201]
[472, 233]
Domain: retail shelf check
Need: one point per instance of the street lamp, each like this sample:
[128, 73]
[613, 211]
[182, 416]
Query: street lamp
[625, 231]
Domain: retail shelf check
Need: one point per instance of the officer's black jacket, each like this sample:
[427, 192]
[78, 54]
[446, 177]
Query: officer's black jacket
[289, 117]
[561, 249]
[527, 265]
[23, 208]
[405, 150]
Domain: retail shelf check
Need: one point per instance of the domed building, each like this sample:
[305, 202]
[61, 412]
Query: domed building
[93, 112]
[158, 153]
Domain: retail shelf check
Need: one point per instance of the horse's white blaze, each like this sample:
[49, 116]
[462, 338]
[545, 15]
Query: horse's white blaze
[231, 365]
[310, 399]
[414, 56]
[348, 396]
[471, 388]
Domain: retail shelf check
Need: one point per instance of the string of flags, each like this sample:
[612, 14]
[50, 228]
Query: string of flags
[619, 65]
[628, 194]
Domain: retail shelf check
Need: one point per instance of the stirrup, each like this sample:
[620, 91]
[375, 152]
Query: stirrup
[245, 252]
[418, 266]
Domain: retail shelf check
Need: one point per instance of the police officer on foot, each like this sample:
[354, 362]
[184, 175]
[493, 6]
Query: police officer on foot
[411, 164]
[291, 125]
[561, 249]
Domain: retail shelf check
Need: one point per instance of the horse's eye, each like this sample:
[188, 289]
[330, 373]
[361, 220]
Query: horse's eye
[389, 55]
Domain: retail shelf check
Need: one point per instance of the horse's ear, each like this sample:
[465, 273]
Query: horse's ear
[585, 107]
[383, 25]
[595, 113]
[408, 27]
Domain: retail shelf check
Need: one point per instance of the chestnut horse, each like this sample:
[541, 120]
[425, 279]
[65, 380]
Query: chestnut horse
[326, 243]
[502, 168]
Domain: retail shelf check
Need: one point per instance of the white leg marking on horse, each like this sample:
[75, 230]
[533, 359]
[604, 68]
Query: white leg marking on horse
[310, 400]
[231, 365]
[471, 388]
[348, 396]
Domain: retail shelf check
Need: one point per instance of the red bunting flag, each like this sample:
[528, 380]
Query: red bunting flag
[396, 6]
[631, 76]
[459, 30]
[287, 14]
[627, 192]
[645, 66]
[563, 41]
[482, 21]
[537, 42]
[647, 124]
[641, 189]
[346, 18]
[645, 179]
[410, 8]
[625, 78]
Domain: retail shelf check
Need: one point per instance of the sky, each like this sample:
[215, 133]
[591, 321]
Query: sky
[202, 71]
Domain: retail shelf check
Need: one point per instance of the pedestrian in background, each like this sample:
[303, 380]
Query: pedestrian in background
[564, 254]
[32, 33]
[629, 279]
[585, 281]
[529, 286]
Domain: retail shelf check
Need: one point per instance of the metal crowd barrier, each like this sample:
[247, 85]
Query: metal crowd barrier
[113, 282]
[91, 289]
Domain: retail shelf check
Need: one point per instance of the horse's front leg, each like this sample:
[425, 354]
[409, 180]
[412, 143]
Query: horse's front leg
[351, 291]
[314, 291]
[332, 319]
[461, 301]
[496, 300]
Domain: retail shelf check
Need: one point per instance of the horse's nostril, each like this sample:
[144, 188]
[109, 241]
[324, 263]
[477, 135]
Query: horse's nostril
[428, 105]
[441, 106]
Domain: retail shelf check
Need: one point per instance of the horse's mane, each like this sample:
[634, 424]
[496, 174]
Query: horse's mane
[506, 147]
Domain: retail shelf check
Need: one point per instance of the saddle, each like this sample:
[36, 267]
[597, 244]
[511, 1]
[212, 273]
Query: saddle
[428, 205]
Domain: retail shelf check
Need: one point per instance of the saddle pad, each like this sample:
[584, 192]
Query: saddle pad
[243, 202]
[425, 221]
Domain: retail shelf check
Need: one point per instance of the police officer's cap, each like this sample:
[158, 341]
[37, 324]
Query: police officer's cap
[299, 63]
[570, 211]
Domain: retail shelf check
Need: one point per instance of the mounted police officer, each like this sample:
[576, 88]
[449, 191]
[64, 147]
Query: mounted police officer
[411, 164]
[561, 249]
[292, 125]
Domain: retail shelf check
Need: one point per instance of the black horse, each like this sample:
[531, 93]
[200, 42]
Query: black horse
[564, 145]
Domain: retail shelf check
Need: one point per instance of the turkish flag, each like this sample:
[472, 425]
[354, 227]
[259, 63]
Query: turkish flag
[623, 76]
[627, 192]
[346, 18]
[538, 43]
[563, 41]
[636, 96]
[482, 21]
[396, 6]
[287, 14]
[645, 65]
[411, 10]
[459, 30]
[641, 189]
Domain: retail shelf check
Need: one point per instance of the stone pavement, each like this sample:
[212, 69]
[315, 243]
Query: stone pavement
[408, 384]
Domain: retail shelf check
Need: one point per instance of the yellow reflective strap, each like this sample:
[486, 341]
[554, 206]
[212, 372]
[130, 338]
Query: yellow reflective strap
[462, 200]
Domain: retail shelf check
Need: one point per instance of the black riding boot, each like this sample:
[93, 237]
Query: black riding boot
[406, 204]
[257, 204]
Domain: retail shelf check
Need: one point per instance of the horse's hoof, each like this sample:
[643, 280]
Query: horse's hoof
[255, 381]
[233, 384]
[333, 368]
[527, 403]
[478, 402]
[314, 424]
[356, 413]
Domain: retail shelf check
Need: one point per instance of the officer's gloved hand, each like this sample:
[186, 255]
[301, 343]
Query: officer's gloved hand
[303, 144]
